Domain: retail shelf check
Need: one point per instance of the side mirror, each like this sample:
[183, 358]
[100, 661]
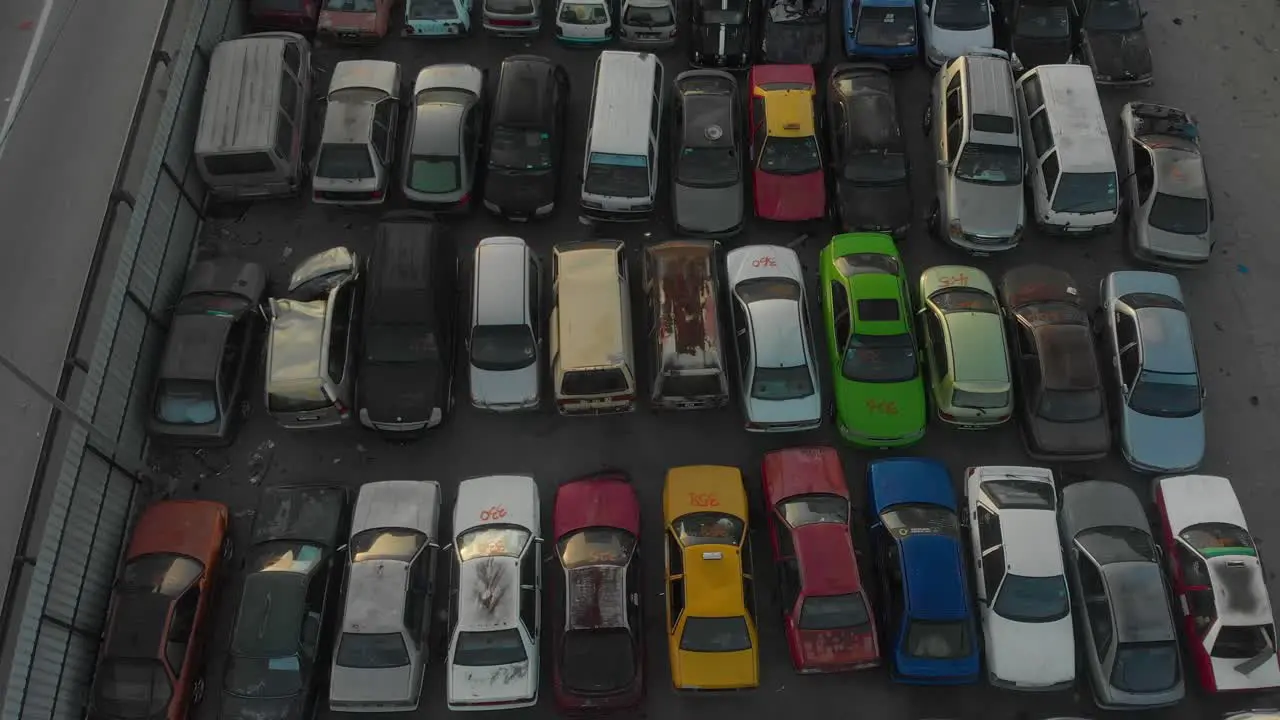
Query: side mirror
[926, 8]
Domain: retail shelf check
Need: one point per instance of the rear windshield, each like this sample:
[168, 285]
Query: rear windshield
[936, 640]
[886, 27]
[509, 7]
[1170, 395]
[784, 383]
[689, 386]
[186, 402]
[132, 689]
[254, 163]
[434, 174]
[724, 634]
[834, 612]
[581, 668]
[1085, 193]
[352, 5]
[583, 14]
[980, 400]
[880, 358]
[501, 348]
[372, 650]
[1032, 599]
[1146, 667]
[489, 648]
[650, 17]
[344, 162]
[579, 383]
[1179, 215]
[961, 14]
[432, 10]
[298, 398]
[610, 175]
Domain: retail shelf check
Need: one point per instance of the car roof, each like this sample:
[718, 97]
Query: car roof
[409, 504]
[713, 581]
[788, 113]
[977, 347]
[603, 499]
[296, 340]
[401, 276]
[1138, 601]
[522, 98]
[871, 108]
[722, 482]
[449, 75]
[894, 481]
[270, 614]
[515, 495]
[1067, 358]
[588, 270]
[596, 597]
[877, 286]
[375, 596]
[1180, 172]
[776, 334]
[1030, 540]
[488, 593]
[824, 552]
[194, 528]
[935, 586]
[138, 625]
[1165, 335]
[1079, 126]
[1240, 590]
[501, 268]
[437, 126]
[356, 88]
[193, 350]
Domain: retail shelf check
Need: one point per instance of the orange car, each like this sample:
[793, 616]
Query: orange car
[151, 659]
[354, 21]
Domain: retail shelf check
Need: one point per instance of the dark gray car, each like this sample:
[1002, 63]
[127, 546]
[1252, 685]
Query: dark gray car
[1130, 642]
[706, 185]
[202, 372]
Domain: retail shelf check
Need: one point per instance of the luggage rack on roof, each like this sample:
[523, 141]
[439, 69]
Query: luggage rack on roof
[1152, 119]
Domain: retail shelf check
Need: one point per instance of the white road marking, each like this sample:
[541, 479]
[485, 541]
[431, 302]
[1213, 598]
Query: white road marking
[24, 76]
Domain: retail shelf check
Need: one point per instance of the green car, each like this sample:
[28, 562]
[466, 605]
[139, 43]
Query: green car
[866, 307]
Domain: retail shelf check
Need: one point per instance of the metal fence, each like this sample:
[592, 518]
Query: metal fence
[58, 614]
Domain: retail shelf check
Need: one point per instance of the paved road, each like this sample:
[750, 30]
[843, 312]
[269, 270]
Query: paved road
[1216, 63]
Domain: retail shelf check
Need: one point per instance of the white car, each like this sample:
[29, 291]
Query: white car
[358, 143]
[954, 27]
[1012, 515]
[495, 595]
[777, 370]
[505, 336]
[386, 617]
[584, 22]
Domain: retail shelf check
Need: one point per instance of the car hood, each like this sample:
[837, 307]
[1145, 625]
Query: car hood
[805, 409]
[1032, 52]
[339, 20]
[1119, 55]
[873, 207]
[991, 210]
[504, 387]
[1175, 246]
[954, 43]
[861, 407]
[1090, 437]
[839, 647]
[373, 686]
[707, 210]
[519, 192]
[235, 707]
[399, 392]
[1164, 444]
[795, 42]
[721, 40]
[790, 198]
[499, 683]
[1031, 653]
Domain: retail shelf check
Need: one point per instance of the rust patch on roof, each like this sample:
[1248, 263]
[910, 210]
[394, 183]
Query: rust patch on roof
[685, 287]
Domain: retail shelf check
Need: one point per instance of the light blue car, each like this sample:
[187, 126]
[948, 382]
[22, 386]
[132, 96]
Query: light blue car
[437, 18]
[1160, 398]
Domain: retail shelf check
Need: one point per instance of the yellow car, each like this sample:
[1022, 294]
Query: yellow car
[711, 627]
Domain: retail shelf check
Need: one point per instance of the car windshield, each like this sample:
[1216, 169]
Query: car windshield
[782, 383]
[961, 14]
[1069, 406]
[520, 149]
[373, 651]
[489, 648]
[186, 402]
[1117, 543]
[432, 10]
[352, 5]
[706, 167]
[262, 677]
[886, 27]
[583, 14]
[159, 573]
[1032, 599]
[584, 383]
[1113, 15]
[132, 688]
[400, 344]
[937, 640]
[344, 162]
[491, 541]
[1085, 193]
[813, 509]
[716, 16]
[880, 359]
[1043, 22]
[963, 299]
[1179, 215]
[1168, 395]
[500, 348]
[434, 174]
[920, 519]
[990, 164]
[1145, 667]
[509, 7]
[1216, 539]
[708, 528]
[596, 546]
[790, 155]
[650, 17]
[876, 167]
[715, 634]
[386, 544]
[835, 612]
[610, 175]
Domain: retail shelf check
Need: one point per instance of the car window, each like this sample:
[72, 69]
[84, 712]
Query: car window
[386, 544]
[1146, 667]
[1051, 172]
[384, 118]
[955, 133]
[372, 651]
[938, 343]
[938, 640]
[988, 529]
[288, 96]
[993, 570]
[284, 142]
[489, 648]
[841, 313]
[833, 612]
[815, 508]
[748, 581]
[1041, 135]
[1117, 543]
[1096, 604]
[292, 58]
[180, 628]
[229, 366]
[492, 541]
[675, 554]
[744, 339]
[340, 332]
[709, 528]
[1013, 493]
[1242, 642]
[675, 600]
[788, 577]
[715, 634]
[1192, 571]
[1032, 599]
[596, 546]
[1202, 610]
[907, 519]
[1143, 172]
[953, 107]
[160, 573]
[1032, 94]
[529, 593]
[1129, 367]
[1216, 539]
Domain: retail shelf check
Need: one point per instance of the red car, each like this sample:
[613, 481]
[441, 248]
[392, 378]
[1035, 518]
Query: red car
[827, 617]
[598, 653]
[298, 16]
[786, 158]
[151, 661]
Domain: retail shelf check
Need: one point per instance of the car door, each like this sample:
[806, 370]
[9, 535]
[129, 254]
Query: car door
[231, 368]
[950, 135]
[1125, 359]
[675, 582]
[989, 555]
[758, 130]
[1193, 596]
[180, 649]
[1100, 629]
[839, 322]
[789, 584]
[742, 340]
[1141, 183]
[470, 150]
[530, 597]
[1028, 364]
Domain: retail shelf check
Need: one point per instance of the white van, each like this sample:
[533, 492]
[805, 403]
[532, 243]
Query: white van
[592, 355]
[620, 168]
[253, 121]
[1071, 171]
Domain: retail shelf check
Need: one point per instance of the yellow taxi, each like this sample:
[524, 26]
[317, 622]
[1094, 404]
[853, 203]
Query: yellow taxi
[711, 626]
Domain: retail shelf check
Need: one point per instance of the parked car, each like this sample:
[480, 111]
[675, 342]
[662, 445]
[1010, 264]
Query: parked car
[881, 31]
[408, 336]
[1012, 516]
[442, 151]
[354, 21]
[777, 369]
[1218, 583]
[869, 169]
[965, 349]
[310, 343]
[706, 186]
[1147, 335]
[866, 312]
[526, 138]
[599, 632]
[383, 645]
[787, 179]
[1130, 644]
[925, 613]
[953, 27]
[202, 373]
[504, 342]
[512, 18]
[298, 16]
[1062, 406]
[1165, 190]
[151, 661]
[1113, 41]
[495, 594]
[437, 18]
[282, 632]
[648, 25]
[358, 142]
[710, 589]
[584, 22]
[723, 33]
[1040, 32]
[688, 365]
[826, 614]
[795, 31]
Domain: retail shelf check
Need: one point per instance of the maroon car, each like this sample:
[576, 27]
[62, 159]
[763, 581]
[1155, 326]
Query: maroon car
[598, 655]
[298, 16]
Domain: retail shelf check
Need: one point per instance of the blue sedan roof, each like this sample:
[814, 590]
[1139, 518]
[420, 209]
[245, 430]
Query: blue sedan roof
[934, 578]
[894, 481]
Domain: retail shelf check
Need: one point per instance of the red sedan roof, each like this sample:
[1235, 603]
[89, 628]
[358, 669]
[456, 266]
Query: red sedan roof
[604, 500]
[828, 566]
[761, 74]
[803, 471]
[194, 528]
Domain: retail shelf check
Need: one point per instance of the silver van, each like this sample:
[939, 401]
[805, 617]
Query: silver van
[972, 122]
[504, 340]
[684, 326]
[592, 356]
[620, 167]
[253, 121]
[310, 352]
[648, 24]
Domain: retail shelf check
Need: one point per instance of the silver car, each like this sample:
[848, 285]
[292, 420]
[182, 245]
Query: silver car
[505, 335]
[390, 580]
[1166, 190]
[357, 146]
[648, 24]
[706, 187]
[1147, 332]
[1130, 641]
[777, 370]
[443, 147]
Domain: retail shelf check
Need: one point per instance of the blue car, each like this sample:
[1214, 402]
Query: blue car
[881, 30]
[925, 612]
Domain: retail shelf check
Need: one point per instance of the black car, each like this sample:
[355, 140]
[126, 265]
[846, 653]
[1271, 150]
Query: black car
[526, 138]
[280, 642]
[869, 167]
[407, 342]
[1039, 31]
[202, 372]
[723, 33]
[706, 183]
[795, 31]
[1113, 41]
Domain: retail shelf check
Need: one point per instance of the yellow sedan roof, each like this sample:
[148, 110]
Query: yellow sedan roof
[788, 113]
[704, 488]
[713, 581]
